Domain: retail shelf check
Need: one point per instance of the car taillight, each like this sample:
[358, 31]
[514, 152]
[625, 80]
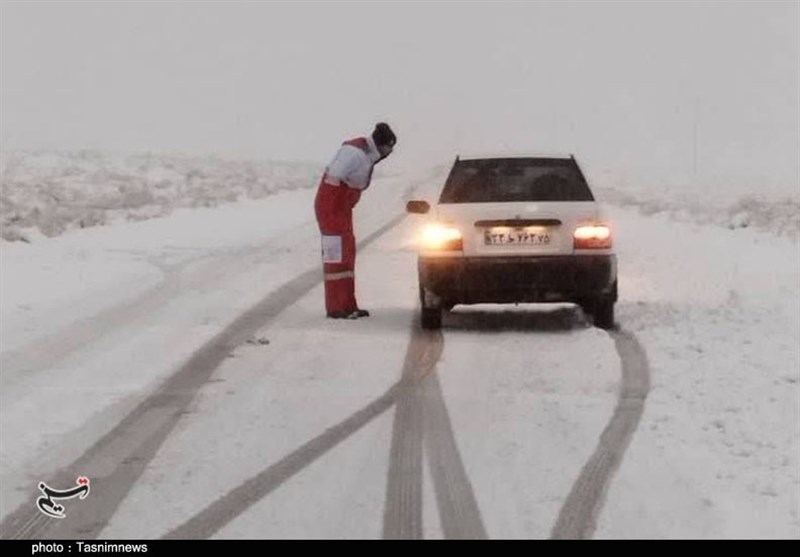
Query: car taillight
[441, 237]
[595, 236]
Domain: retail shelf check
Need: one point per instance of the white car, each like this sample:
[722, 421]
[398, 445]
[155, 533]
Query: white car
[513, 230]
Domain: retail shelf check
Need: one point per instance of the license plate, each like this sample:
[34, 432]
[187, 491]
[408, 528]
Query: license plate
[516, 236]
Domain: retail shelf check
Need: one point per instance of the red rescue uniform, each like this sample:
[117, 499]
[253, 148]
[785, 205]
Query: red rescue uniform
[339, 191]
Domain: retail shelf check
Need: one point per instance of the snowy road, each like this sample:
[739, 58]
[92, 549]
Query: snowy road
[420, 418]
[204, 396]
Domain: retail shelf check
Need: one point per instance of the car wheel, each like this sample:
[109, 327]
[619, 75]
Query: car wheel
[587, 306]
[603, 313]
[431, 318]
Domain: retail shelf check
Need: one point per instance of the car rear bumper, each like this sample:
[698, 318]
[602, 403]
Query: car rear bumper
[471, 280]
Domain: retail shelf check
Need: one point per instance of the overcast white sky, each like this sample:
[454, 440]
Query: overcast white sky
[625, 86]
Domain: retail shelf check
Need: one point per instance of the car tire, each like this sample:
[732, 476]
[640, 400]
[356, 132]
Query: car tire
[603, 313]
[587, 306]
[431, 318]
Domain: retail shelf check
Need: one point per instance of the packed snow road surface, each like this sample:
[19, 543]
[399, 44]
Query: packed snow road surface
[204, 394]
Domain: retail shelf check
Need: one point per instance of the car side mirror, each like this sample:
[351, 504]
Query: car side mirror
[418, 207]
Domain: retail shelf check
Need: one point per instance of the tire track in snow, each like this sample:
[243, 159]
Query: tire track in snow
[421, 414]
[420, 358]
[455, 498]
[578, 516]
[119, 458]
[402, 517]
[222, 511]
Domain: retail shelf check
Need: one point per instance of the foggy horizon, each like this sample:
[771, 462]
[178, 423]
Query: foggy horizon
[683, 92]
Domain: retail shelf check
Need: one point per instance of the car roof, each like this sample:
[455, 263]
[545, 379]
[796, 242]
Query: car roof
[511, 155]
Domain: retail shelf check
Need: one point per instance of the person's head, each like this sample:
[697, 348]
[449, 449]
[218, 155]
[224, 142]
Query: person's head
[384, 138]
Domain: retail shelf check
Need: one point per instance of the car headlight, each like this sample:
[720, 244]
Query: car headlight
[594, 236]
[442, 237]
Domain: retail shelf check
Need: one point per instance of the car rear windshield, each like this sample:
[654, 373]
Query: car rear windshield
[519, 179]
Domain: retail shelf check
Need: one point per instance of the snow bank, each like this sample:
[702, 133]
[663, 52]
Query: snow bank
[48, 193]
[732, 204]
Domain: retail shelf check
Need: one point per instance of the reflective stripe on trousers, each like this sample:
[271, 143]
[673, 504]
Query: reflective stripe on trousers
[342, 275]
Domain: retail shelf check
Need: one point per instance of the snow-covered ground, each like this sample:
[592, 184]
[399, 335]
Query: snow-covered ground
[93, 320]
[777, 212]
[50, 192]
[718, 451]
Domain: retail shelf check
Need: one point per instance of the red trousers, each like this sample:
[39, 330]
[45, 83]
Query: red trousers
[334, 209]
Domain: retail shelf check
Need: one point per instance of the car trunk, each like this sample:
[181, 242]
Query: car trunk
[518, 228]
